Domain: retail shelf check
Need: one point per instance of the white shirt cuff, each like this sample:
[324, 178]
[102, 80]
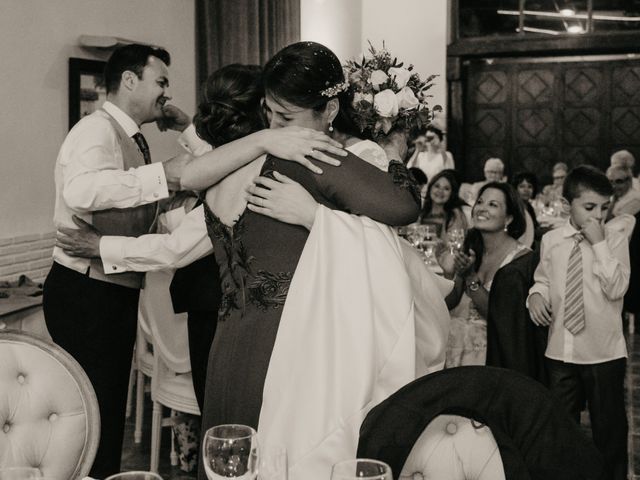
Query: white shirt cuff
[111, 254]
[190, 141]
[153, 182]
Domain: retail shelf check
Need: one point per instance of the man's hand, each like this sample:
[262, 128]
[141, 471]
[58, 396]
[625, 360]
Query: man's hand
[593, 231]
[173, 169]
[174, 119]
[81, 242]
[540, 310]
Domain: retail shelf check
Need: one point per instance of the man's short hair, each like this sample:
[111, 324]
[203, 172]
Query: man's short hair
[494, 163]
[585, 177]
[625, 157]
[619, 169]
[560, 166]
[133, 57]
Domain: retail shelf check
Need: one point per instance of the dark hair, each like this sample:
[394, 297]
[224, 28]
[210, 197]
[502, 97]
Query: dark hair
[418, 175]
[454, 200]
[300, 72]
[528, 177]
[132, 57]
[514, 207]
[436, 130]
[585, 177]
[230, 107]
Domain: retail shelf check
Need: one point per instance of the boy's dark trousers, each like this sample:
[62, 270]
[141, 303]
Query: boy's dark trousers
[601, 387]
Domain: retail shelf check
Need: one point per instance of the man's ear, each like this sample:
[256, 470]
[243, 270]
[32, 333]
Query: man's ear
[128, 80]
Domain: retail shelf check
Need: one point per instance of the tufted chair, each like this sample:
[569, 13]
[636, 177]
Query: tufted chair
[49, 417]
[477, 423]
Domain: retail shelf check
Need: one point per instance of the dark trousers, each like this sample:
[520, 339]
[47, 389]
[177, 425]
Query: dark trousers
[96, 323]
[600, 386]
[201, 327]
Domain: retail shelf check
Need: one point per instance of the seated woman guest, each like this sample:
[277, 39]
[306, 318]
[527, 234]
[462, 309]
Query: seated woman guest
[442, 206]
[491, 244]
[526, 184]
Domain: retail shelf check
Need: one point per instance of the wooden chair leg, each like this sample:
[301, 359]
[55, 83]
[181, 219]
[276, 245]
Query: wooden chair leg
[156, 432]
[174, 453]
[137, 434]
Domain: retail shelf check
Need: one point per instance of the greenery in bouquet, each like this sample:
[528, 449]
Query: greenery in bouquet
[387, 95]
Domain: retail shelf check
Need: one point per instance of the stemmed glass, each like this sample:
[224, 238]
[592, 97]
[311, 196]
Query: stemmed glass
[428, 243]
[230, 451]
[456, 239]
[361, 468]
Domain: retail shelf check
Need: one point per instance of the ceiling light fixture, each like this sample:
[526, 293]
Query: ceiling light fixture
[567, 11]
[575, 29]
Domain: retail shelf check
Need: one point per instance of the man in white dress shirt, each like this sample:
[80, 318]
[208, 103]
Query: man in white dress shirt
[104, 175]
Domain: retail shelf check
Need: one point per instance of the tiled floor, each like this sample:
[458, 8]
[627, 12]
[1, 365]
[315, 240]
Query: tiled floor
[136, 456]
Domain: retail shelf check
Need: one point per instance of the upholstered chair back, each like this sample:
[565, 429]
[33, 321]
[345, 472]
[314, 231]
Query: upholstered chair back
[49, 416]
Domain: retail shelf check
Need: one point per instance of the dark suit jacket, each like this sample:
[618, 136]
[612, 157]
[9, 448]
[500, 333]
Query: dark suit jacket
[196, 287]
[513, 340]
[632, 298]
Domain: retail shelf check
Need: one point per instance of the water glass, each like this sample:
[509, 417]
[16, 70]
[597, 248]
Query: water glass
[361, 468]
[134, 475]
[230, 451]
[19, 473]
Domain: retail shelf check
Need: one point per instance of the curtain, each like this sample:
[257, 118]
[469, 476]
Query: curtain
[243, 31]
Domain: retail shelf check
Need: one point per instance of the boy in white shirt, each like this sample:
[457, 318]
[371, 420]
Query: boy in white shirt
[578, 292]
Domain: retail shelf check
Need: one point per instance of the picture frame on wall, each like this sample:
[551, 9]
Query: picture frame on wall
[87, 91]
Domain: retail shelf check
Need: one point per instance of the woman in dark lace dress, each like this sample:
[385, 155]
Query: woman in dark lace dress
[259, 255]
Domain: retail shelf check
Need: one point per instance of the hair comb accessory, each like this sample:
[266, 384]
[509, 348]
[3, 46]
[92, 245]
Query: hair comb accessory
[335, 90]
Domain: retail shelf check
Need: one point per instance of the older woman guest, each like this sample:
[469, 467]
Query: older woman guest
[492, 244]
[493, 172]
[625, 198]
[442, 206]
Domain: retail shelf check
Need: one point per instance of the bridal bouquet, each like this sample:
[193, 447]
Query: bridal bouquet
[386, 94]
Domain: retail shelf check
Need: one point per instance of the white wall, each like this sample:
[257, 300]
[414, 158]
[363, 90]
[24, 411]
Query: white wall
[416, 31]
[36, 39]
[413, 30]
[334, 23]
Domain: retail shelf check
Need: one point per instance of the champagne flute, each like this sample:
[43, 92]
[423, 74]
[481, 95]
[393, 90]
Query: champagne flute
[456, 239]
[230, 451]
[429, 243]
[361, 468]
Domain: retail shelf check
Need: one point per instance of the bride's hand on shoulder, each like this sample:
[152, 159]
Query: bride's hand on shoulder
[299, 144]
[283, 199]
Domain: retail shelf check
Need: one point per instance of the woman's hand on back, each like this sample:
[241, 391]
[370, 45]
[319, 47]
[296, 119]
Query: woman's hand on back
[282, 199]
[299, 144]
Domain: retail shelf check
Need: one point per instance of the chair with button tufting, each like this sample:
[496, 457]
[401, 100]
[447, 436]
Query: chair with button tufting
[481, 423]
[49, 417]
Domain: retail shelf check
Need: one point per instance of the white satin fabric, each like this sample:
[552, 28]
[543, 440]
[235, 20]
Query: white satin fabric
[364, 316]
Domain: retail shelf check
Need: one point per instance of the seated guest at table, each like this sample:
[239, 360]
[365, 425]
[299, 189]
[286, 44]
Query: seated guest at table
[442, 206]
[625, 198]
[553, 192]
[526, 184]
[624, 158]
[493, 172]
[491, 244]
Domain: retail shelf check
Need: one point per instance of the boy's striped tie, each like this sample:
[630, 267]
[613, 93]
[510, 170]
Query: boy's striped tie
[573, 294]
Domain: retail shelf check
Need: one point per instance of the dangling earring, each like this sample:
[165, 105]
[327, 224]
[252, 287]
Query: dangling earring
[331, 126]
[506, 227]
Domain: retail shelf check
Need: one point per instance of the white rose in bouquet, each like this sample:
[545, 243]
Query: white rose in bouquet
[362, 97]
[406, 99]
[386, 103]
[378, 77]
[402, 75]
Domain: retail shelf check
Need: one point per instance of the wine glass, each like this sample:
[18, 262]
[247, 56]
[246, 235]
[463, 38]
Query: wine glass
[134, 475]
[230, 451]
[19, 473]
[361, 468]
[428, 243]
[456, 239]
[272, 464]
